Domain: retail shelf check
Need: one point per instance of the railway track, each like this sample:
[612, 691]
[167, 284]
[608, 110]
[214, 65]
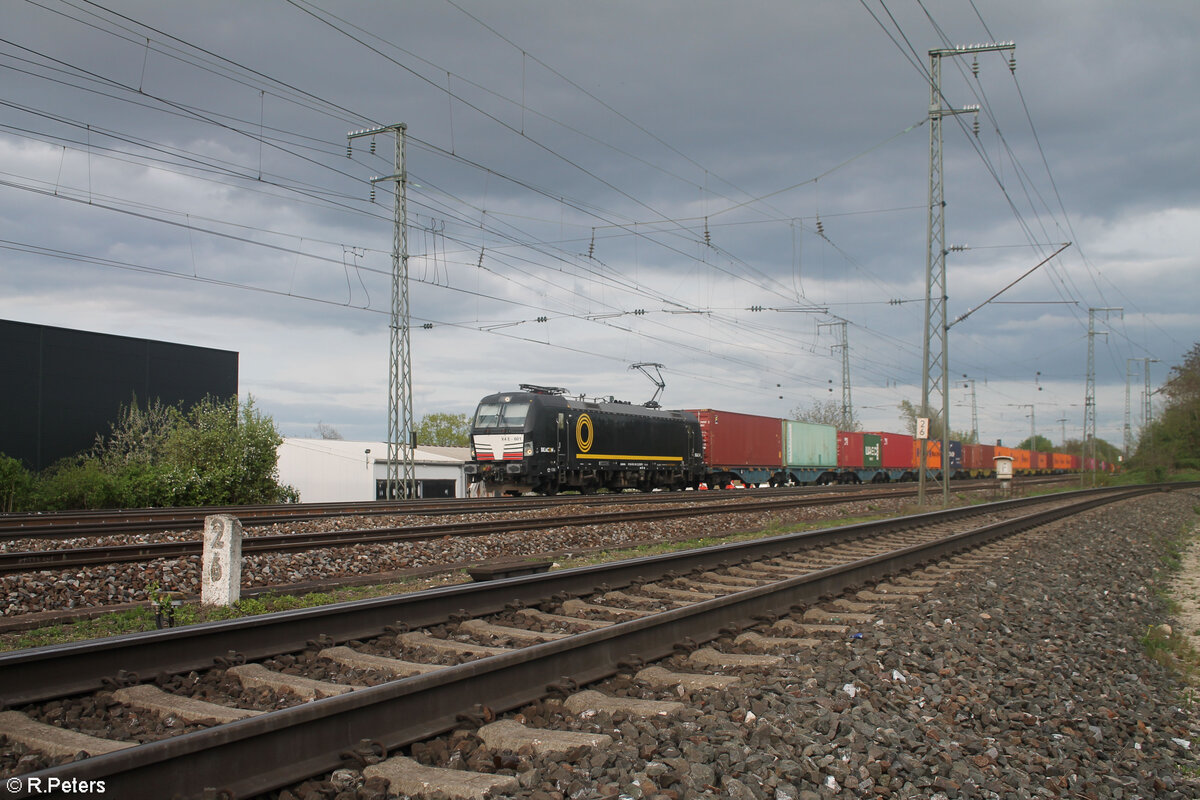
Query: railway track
[66, 558]
[580, 623]
[75, 524]
[71, 524]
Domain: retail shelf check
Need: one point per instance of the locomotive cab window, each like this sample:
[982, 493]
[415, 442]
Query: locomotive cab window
[488, 415]
[502, 415]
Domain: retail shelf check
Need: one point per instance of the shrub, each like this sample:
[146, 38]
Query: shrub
[16, 485]
[216, 453]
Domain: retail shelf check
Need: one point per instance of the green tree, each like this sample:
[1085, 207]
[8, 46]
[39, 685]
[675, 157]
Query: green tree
[16, 485]
[1039, 443]
[1173, 440]
[1107, 451]
[1183, 385]
[220, 453]
[77, 482]
[440, 429]
[822, 412]
[136, 437]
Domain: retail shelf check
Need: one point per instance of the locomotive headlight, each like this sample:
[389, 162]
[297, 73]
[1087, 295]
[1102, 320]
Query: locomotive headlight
[529, 449]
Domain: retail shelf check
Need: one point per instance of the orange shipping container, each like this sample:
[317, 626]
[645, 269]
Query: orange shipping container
[934, 458]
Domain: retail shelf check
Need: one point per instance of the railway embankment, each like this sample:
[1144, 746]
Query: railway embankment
[1026, 677]
[104, 586]
[1026, 668]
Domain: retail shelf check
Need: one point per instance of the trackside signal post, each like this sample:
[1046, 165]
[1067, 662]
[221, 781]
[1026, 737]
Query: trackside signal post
[1004, 472]
[935, 377]
[401, 473]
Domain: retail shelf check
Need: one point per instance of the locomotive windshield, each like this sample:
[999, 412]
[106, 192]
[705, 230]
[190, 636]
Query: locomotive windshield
[502, 415]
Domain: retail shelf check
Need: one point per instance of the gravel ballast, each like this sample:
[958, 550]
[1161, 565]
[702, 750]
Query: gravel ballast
[111, 585]
[1024, 679]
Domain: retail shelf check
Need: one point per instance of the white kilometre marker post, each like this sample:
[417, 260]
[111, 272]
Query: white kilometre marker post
[221, 564]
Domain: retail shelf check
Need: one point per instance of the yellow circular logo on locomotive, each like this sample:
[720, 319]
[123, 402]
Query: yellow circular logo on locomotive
[583, 433]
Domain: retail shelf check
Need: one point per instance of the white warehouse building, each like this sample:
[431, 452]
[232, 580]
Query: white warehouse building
[337, 471]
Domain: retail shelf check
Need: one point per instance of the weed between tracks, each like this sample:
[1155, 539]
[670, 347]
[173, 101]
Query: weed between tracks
[141, 619]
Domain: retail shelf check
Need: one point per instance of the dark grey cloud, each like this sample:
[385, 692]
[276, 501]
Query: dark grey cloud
[612, 129]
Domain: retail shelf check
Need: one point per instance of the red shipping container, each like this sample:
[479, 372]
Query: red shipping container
[850, 450]
[897, 450]
[1040, 461]
[972, 458]
[740, 440]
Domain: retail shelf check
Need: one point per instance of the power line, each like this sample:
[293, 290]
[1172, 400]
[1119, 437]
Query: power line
[541, 250]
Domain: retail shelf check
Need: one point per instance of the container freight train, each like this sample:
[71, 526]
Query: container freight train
[540, 440]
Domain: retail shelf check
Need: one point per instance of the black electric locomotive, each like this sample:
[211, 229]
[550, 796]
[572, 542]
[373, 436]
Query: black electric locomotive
[539, 440]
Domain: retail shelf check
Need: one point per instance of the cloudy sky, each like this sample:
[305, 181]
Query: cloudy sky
[597, 184]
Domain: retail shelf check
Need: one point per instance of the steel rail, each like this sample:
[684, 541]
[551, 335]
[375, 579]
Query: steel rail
[57, 670]
[242, 758]
[84, 523]
[36, 560]
[70, 524]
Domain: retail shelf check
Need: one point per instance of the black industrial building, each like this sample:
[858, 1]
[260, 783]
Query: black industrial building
[62, 388]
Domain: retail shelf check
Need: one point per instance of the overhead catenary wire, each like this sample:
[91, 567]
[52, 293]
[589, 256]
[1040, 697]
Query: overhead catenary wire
[1072, 296]
[545, 257]
[177, 40]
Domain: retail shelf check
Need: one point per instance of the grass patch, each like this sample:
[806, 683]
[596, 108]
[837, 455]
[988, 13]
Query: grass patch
[143, 619]
[1150, 475]
[1172, 651]
[101, 627]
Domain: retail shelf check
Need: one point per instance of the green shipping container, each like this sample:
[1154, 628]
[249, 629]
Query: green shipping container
[872, 450]
[809, 445]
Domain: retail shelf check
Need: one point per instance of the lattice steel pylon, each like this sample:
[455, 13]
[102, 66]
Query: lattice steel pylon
[1128, 429]
[1146, 400]
[969, 383]
[935, 368]
[1089, 398]
[847, 421]
[401, 472]
[1147, 396]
